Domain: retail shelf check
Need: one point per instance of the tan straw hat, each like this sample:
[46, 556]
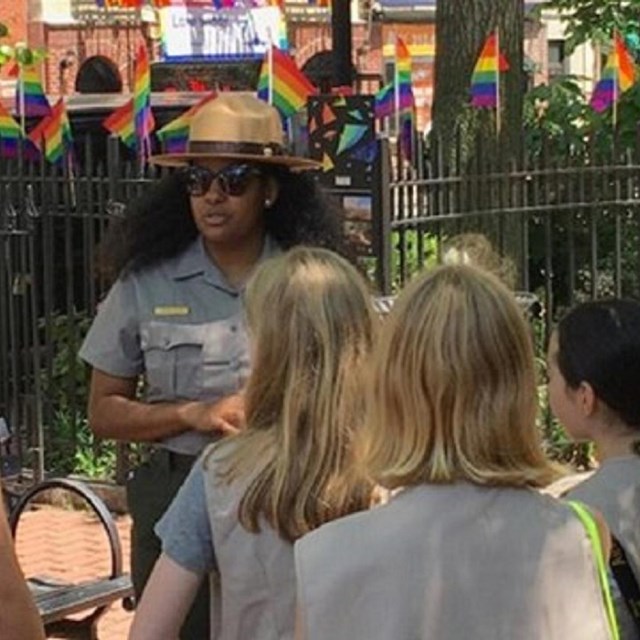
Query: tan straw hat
[237, 126]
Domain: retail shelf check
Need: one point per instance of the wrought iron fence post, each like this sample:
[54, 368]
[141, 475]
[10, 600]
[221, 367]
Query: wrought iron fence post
[381, 216]
[113, 168]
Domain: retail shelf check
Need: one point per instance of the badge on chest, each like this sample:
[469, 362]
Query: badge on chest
[171, 310]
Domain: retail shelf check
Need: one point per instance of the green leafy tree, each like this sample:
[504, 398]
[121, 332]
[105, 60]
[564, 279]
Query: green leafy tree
[19, 52]
[596, 20]
[558, 120]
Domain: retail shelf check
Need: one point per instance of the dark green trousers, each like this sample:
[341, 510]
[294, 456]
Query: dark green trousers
[150, 491]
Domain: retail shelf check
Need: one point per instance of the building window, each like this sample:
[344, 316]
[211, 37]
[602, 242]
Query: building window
[557, 59]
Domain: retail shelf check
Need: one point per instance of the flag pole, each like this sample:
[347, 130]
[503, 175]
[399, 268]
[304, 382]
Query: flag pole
[21, 102]
[616, 75]
[498, 101]
[270, 63]
[396, 94]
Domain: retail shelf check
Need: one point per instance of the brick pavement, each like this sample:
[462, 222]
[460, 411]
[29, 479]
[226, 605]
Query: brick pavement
[72, 546]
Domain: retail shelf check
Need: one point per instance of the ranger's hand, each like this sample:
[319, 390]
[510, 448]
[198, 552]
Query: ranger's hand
[225, 415]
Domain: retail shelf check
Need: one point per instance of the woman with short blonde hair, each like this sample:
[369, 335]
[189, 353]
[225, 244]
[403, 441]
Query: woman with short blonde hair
[455, 388]
[466, 547]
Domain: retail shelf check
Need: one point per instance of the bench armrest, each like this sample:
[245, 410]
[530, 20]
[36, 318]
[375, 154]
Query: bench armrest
[90, 497]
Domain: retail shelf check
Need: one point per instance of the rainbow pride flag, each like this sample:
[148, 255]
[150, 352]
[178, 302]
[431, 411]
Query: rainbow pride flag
[10, 134]
[30, 95]
[406, 136]
[385, 101]
[403, 77]
[617, 76]
[52, 135]
[282, 84]
[143, 116]
[485, 81]
[121, 124]
[175, 134]
[398, 94]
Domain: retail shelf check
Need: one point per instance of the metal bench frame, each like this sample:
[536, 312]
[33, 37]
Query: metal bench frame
[56, 600]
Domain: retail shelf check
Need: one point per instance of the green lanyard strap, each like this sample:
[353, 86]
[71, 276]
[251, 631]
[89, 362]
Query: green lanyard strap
[593, 533]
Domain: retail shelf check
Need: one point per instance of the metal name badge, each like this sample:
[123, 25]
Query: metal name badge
[174, 310]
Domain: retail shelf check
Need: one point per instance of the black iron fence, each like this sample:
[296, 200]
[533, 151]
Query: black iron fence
[568, 227]
[565, 229]
[51, 219]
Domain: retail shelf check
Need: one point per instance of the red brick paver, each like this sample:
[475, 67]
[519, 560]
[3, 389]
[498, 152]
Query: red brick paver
[72, 546]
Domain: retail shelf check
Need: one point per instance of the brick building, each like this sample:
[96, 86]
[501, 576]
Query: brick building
[72, 31]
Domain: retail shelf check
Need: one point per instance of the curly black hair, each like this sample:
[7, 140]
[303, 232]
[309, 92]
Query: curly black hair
[159, 225]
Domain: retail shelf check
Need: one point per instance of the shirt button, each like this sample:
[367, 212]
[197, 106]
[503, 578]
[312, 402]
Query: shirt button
[234, 328]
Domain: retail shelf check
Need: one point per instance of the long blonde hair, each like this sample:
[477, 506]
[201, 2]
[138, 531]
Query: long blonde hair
[311, 324]
[453, 394]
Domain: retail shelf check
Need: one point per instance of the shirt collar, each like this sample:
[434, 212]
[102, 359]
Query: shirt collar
[194, 261]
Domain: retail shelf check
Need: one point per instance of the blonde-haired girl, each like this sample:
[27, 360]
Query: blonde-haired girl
[466, 547]
[311, 326]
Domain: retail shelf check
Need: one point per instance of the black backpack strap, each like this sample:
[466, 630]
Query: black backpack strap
[626, 579]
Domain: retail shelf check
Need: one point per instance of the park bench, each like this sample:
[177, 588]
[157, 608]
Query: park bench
[56, 600]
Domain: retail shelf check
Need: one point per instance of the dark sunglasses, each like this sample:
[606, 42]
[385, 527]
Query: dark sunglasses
[231, 181]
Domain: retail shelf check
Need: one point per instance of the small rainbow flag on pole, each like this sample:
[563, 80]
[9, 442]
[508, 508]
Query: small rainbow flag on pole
[175, 134]
[121, 124]
[282, 84]
[404, 102]
[143, 116]
[397, 96]
[385, 101]
[617, 76]
[485, 81]
[30, 98]
[10, 134]
[404, 88]
[54, 132]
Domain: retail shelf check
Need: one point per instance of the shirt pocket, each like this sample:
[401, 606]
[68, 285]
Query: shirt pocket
[225, 351]
[173, 360]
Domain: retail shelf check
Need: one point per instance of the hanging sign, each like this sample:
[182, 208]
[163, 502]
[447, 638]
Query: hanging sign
[206, 33]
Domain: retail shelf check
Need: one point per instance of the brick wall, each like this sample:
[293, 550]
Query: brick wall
[69, 46]
[14, 15]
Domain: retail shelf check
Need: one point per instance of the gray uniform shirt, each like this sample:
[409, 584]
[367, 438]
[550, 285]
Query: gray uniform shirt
[253, 594]
[614, 490]
[181, 324]
[453, 562]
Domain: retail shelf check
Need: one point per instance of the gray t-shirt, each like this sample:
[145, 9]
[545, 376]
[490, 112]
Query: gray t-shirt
[252, 574]
[184, 529]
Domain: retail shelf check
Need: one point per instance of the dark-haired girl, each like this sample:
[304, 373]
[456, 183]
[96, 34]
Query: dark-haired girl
[594, 391]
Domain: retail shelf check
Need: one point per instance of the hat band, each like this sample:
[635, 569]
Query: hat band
[245, 148]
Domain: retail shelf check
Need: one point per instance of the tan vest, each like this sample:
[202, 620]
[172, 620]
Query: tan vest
[253, 593]
[452, 562]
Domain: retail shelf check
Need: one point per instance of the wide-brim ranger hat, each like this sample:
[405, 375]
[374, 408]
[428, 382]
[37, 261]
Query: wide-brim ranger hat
[236, 126]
